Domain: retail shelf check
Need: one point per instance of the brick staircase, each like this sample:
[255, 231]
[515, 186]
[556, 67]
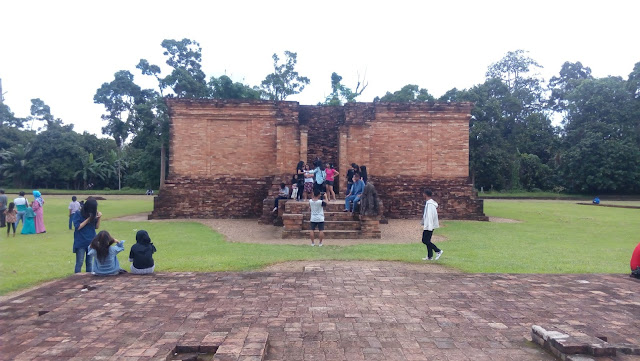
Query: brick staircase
[337, 224]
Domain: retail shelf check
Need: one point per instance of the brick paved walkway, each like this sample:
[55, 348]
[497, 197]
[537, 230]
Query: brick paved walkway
[340, 312]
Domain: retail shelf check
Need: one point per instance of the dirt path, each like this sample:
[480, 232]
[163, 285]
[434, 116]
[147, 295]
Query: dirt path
[398, 231]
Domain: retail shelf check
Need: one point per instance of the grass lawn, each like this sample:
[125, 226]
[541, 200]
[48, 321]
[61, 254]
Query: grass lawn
[555, 237]
[84, 193]
[526, 194]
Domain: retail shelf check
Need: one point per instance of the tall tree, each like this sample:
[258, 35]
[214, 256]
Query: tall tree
[118, 97]
[187, 80]
[7, 118]
[408, 93]
[517, 72]
[284, 81]
[602, 137]
[571, 74]
[41, 113]
[341, 94]
[15, 164]
[225, 88]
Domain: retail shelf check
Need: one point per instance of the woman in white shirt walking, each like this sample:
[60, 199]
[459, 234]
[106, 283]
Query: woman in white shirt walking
[429, 223]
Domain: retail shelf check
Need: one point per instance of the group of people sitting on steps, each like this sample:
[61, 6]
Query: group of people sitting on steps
[322, 178]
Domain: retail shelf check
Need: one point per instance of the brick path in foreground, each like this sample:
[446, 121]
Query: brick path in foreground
[336, 312]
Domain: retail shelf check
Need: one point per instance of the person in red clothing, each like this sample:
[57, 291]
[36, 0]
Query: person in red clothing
[635, 262]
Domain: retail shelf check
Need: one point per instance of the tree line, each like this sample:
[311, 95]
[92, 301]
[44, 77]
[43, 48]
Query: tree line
[514, 144]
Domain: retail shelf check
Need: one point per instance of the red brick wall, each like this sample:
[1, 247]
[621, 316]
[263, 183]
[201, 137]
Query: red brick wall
[322, 124]
[226, 157]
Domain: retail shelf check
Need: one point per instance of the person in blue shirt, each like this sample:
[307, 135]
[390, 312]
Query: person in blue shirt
[86, 221]
[596, 200]
[354, 195]
[105, 249]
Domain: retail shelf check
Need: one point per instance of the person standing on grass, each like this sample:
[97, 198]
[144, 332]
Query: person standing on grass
[22, 203]
[37, 205]
[317, 217]
[86, 221]
[3, 207]
[429, 223]
[10, 214]
[74, 206]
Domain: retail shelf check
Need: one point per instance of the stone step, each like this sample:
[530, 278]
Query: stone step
[334, 216]
[301, 207]
[336, 225]
[327, 234]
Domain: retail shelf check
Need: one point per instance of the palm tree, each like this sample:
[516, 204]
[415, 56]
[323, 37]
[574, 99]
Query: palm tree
[14, 163]
[92, 169]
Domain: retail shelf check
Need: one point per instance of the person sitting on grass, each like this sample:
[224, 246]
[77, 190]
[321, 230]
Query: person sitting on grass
[635, 262]
[317, 217]
[283, 193]
[104, 249]
[354, 195]
[141, 254]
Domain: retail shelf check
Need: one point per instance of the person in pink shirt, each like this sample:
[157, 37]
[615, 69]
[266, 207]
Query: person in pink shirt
[331, 174]
[38, 209]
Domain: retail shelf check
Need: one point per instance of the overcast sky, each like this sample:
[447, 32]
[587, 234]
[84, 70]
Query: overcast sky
[62, 51]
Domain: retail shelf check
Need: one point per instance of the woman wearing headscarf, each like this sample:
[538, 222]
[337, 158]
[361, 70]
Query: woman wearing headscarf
[38, 209]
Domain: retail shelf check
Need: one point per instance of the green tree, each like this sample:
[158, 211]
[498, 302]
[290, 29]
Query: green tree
[533, 173]
[571, 74]
[118, 97]
[93, 170]
[15, 164]
[341, 94]
[225, 88]
[602, 137]
[187, 80]
[517, 72]
[284, 81]
[633, 83]
[408, 93]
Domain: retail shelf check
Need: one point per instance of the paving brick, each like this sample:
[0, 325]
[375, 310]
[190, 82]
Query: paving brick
[333, 312]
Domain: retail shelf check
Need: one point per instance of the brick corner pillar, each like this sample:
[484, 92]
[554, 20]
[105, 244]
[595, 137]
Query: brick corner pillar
[343, 157]
[304, 143]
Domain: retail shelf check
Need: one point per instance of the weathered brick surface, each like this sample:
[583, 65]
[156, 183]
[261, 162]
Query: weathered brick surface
[329, 311]
[322, 124]
[224, 197]
[402, 197]
[229, 148]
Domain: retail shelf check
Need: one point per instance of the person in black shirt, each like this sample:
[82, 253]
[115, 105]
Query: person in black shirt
[142, 254]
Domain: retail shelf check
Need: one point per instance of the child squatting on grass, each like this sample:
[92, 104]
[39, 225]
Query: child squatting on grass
[104, 250]
[317, 216]
[429, 223]
[141, 254]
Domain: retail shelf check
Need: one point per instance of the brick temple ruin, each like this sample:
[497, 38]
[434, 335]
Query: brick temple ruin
[227, 157]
